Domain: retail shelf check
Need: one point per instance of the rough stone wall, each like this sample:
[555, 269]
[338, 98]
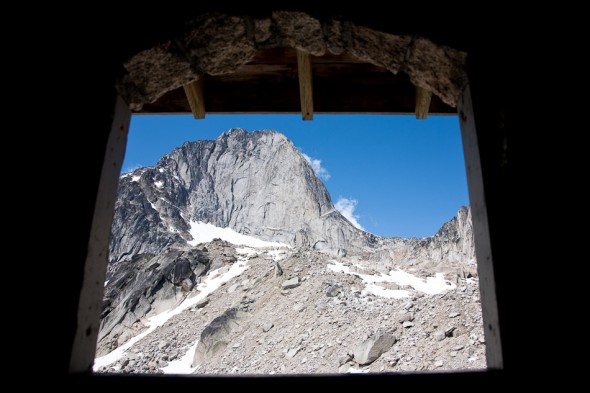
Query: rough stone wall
[217, 44]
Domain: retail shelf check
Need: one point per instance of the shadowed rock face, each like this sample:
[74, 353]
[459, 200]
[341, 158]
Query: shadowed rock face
[148, 282]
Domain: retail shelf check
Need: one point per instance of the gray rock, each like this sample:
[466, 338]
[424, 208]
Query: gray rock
[407, 317]
[290, 283]
[449, 331]
[214, 338]
[369, 350]
[333, 290]
[278, 269]
[202, 303]
[267, 326]
[407, 324]
[292, 352]
[187, 284]
[454, 314]
[439, 335]
[163, 345]
[216, 263]
[344, 359]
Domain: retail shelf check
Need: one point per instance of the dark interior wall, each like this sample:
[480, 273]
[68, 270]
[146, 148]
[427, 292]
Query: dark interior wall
[112, 35]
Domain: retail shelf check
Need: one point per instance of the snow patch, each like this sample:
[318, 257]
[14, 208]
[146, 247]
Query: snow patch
[277, 255]
[161, 170]
[330, 212]
[204, 233]
[353, 370]
[182, 365]
[429, 285]
[159, 184]
[135, 178]
[247, 251]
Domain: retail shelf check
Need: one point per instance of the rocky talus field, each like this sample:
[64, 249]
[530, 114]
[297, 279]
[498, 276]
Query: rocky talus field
[228, 257]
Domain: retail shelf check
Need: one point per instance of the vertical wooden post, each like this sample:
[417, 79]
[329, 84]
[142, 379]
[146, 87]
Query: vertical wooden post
[305, 84]
[481, 231]
[95, 268]
[423, 98]
[196, 98]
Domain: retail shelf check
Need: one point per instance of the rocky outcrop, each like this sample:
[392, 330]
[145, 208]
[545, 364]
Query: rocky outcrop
[218, 44]
[147, 282]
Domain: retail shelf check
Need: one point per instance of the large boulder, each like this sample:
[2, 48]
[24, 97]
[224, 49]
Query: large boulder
[214, 338]
[369, 350]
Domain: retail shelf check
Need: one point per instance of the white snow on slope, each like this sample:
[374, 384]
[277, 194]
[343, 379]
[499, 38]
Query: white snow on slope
[212, 281]
[203, 233]
[429, 285]
[159, 184]
[135, 178]
[182, 365]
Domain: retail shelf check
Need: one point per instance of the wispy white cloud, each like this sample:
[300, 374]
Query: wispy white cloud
[346, 207]
[317, 167]
[131, 168]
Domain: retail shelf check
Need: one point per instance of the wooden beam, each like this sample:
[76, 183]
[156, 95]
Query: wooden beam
[97, 257]
[423, 98]
[195, 97]
[481, 228]
[305, 84]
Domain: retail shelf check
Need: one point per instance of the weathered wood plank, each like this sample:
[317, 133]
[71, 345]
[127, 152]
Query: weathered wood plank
[196, 98]
[95, 268]
[305, 84]
[423, 98]
[481, 231]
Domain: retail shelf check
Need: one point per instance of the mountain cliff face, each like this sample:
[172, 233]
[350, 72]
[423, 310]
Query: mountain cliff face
[258, 184]
[319, 295]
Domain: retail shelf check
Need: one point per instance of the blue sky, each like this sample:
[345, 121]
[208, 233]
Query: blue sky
[394, 175]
